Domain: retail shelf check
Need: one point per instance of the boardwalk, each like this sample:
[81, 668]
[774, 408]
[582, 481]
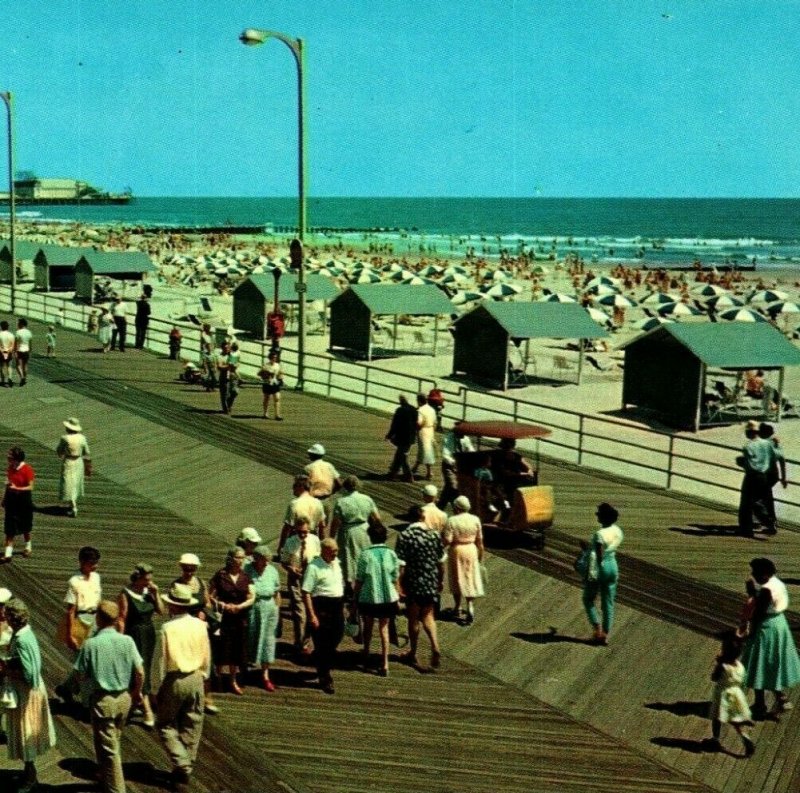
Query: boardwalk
[521, 701]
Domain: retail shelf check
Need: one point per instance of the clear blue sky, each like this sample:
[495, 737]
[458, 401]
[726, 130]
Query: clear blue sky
[411, 97]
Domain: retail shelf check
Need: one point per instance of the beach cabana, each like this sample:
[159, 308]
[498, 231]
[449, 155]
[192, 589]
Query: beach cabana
[354, 315]
[669, 370]
[119, 265]
[24, 251]
[483, 336]
[254, 298]
[54, 267]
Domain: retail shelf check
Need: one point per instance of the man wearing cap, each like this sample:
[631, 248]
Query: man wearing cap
[181, 663]
[323, 478]
[299, 550]
[303, 505]
[114, 669]
[757, 458]
[433, 517]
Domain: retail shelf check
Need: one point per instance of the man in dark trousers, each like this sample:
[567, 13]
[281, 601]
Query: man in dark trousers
[757, 458]
[120, 329]
[402, 433]
[142, 320]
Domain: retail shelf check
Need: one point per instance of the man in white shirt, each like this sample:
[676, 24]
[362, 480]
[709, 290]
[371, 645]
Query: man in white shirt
[181, 664]
[6, 353]
[303, 505]
[299, 550]
[323, 591]
[120, 329]
[323, 478]
[454, 442]
[22, 349]
[433, 517]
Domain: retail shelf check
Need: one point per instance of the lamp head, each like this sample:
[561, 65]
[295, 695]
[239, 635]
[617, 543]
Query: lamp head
[252, 37]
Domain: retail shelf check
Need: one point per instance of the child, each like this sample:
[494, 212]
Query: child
[175, 339]
[728, 701]
[493, 494]
[51, 341]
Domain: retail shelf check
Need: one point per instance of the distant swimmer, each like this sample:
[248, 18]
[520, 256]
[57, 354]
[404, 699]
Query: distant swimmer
[666, 16]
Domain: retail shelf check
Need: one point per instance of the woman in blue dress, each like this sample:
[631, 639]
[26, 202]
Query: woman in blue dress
[265, 614]
[770, 655]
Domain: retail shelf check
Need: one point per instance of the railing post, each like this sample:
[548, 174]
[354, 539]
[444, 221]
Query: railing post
[463, 403]
[330, 374]
[366, 385]
[670, 454]
[580, 439]
[515, 414]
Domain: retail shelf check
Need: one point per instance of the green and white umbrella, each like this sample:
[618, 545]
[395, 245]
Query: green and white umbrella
[600, 317]
[616, 301]
[461, 298]
[659, 299]
[677, 310]
[365, 277]
[742, 315]
[782, 307]
[648, 323]
[501, 290]
[557, 297]
[720, 302]
[604, 280]
[767, 296]
[709, 290]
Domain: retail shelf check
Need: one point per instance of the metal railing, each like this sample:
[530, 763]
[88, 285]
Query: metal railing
[691, 466]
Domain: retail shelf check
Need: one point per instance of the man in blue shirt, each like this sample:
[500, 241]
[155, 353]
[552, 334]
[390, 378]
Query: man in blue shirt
[758, 457]
[113, 666]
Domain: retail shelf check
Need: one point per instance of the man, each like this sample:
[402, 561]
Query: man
[22, 349]
[433, 517]
[142, 320]
[120, 329]
[402, 434]
[299, 550]
[181, 664]
[323, 478]
[510, 469]
[114, 670]
[223, 367]
[775, 474]
[757, 457]
[303, 505]
[422, 556]
[6, 353]
[454, 442]
[323, 593]
[207, 357]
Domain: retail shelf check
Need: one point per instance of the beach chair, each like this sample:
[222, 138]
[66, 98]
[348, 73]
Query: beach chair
[561, 364]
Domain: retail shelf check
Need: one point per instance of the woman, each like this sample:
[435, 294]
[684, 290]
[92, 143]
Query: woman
[426, 429]
[770, 656]
[602, 572]
[29, 726]
[248, 540]
[271, 384]
[104, 323]
[463, 537]
[137, 603]
[232, 593]
[73, 449]
[377, 574]
[265, 614]
[18, 502]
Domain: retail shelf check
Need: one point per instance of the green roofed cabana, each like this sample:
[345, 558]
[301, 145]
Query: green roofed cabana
[24, 251]
[482, 336]
[354, 313]
[668, 370]
[254, 298]
[54, 266]
[119, 265]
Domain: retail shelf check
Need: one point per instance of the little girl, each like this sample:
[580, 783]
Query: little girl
[728, 701]
[51, 342]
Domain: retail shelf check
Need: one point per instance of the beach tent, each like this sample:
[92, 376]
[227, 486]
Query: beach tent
[24, 251]
[254, 298]
[667, 369]
[54, 266]
[119, 265]
[354, 312]
[483, 335]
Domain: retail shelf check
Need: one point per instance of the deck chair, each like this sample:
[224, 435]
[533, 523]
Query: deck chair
[561, 364]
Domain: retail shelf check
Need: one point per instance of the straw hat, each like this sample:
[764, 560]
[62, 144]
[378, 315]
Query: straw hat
[462, 502]
[73, 424]
[249, 534]
[317, 449]
[5, 595]
[189, 559]
[180, 595]
[430, 490]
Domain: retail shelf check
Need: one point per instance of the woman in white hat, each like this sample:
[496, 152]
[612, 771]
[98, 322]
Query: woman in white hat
[265, 614]
[463, 536]
[73, 449]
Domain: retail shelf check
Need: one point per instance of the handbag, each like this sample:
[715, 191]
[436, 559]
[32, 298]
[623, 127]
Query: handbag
[9, 700]
[79, 633]
[586, 565]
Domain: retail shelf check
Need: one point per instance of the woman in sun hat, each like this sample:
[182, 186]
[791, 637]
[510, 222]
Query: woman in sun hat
[248, 539]
[73, 449]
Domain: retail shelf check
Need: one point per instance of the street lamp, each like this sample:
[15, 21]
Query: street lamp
[253, 37]
[9, 102]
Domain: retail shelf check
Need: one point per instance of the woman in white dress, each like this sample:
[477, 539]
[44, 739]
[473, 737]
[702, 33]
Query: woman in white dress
[426, 429]
[29, 725]
[104, 323]
[73, 449]
[463, 537]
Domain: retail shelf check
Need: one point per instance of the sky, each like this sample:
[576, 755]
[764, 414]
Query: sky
[410, 97]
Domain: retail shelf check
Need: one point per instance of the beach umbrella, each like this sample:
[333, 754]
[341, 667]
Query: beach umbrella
[604, 280]
[540, 269]
[767, 296]
[429, 270]
[601, 290]
[455, 269]
[258, 269]
[416, 280]
[709, 290]
[460, 298]
[392, 267]
[365, 277]
[221, 271]
[401, 275]
[782, 307]
[678, 309]
[453, 278]
[724, 301]
[557, 297]
[600, 317]
[500, 275]
[501, 290]
[617, 301]
[742, 315]
[648, 323]
[659, 299]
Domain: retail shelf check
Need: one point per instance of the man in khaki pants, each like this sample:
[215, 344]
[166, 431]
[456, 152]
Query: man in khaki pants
[112, 665]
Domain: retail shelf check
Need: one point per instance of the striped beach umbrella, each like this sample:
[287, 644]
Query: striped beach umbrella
[365, 277]
[709, 290]
[767, 296]
[678, 309]
[659, 299]
[455, 269]
[417, 280]
[782, 307]
[557, 297]
[429, 270]
[401, 275]
[501, 290]
[540, 269]
[462, 297]
[600, 290]
[648, 323]
[724, 301]
[616, 301]
[604, 280]
[600, 317]
[742, 315]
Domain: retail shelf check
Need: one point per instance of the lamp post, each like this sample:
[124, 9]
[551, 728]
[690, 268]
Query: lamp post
[253, 37]
[9, 102]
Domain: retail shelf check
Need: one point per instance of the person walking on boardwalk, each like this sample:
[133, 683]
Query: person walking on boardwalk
[426, 433]
[120, 330]
[272, 384]
[323, 478]
[775, 474]
[433, 517]
[29, 725]
[402, 434]
[303, 505]
[111, 665]
[223, 367]
[18, 502]
[104, 324]
[141, 320]
[264, 618]
[602, 573]
[76, 464]
[22, 349]
[181, 662]
[6, 354]
[455, 441]
[463, 537]
[757, 458]
[770, 655]
[299, 550]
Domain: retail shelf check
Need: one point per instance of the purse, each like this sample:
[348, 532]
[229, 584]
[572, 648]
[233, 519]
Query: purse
[9, 700]
[586, 565]
[79, 634]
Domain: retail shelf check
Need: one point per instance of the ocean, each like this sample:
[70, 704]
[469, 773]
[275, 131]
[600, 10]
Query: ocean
[653, 231]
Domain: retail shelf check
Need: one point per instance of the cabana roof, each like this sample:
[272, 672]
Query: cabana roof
[423, 300]
[729, 345]
[116, 262]
[541, 320]
[23, 249]
[318, 287]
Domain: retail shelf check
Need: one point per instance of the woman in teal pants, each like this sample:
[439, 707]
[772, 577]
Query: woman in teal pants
[602, 572]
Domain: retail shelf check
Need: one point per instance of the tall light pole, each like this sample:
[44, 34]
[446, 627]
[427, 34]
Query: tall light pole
[9, 102]
[253, 37]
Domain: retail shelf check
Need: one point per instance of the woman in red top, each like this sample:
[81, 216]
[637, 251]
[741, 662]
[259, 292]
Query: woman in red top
[18, 502]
